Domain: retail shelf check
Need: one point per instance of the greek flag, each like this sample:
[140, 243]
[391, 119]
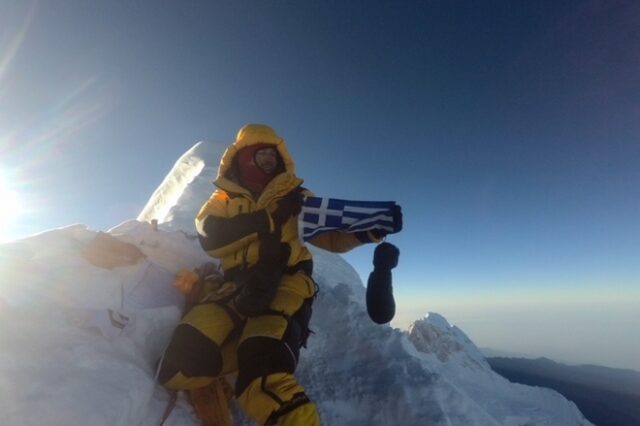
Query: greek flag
[329, 214]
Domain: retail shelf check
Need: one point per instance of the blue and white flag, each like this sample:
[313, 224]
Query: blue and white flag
[321, 214]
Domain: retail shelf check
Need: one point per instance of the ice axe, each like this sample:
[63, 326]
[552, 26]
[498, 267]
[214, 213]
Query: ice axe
[380, 303]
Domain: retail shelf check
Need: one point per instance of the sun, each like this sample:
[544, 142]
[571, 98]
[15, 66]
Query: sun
[11, 206]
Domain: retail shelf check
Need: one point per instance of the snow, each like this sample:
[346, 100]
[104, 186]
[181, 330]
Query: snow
[80, 341]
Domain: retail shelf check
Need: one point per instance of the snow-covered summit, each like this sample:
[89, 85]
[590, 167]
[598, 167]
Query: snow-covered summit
[176, 201]
[433, 334]
[81, 333]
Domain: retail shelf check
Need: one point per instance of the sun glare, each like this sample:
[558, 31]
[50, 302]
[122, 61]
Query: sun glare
[11, 206]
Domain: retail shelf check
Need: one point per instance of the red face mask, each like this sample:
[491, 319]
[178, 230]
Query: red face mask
[257, 165]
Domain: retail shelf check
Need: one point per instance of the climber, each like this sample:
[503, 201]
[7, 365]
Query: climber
[256, 320]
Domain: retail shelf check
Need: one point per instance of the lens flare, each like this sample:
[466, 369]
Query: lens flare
[13, 47]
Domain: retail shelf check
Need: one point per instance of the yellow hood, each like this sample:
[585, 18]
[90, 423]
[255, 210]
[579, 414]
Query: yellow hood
[249, 135]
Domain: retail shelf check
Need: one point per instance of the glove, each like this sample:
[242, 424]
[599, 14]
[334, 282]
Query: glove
[273, 254]
[386, 256]
[381, 305]
[259, 284]
[255, 296]
[288, 206]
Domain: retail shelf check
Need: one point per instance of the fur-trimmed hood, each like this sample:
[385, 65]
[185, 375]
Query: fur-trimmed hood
[253, 134]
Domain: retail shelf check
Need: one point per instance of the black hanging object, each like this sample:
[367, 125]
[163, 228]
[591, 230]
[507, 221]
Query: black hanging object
[380, 303]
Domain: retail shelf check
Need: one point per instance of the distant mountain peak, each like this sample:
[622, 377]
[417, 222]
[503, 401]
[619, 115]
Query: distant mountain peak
[435, 335]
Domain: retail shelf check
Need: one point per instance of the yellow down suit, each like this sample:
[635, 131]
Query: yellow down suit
[214, 339]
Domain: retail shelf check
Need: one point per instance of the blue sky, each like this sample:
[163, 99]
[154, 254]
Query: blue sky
[508, 131]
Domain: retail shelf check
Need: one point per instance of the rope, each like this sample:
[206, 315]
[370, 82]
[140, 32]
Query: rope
[171, 404]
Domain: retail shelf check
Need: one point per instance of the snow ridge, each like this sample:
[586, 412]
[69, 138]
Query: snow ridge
[188, 184]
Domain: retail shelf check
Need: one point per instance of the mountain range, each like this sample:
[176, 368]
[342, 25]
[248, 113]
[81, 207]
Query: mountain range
[606, 396]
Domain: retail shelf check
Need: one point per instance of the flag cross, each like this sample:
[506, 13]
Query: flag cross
[323, 211]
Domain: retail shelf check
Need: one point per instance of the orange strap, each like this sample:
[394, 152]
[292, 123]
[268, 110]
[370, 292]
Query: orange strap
[212, 403]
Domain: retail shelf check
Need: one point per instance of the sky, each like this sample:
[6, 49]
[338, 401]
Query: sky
[508, 131]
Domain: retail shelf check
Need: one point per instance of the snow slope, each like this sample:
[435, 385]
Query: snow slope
[80, 341]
